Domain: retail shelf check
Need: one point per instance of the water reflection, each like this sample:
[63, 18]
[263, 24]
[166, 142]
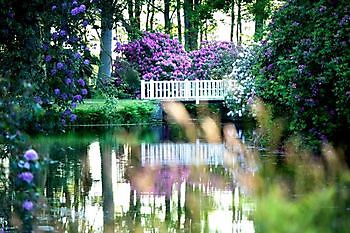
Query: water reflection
[115, 182]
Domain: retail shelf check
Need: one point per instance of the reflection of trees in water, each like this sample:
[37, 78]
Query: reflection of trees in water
[67, 182]
[5, 199]
[167, 198]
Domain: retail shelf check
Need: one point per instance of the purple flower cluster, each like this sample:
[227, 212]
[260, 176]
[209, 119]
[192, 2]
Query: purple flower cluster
[28, 205]
[156, 57]
[67, 70]
[77, 10]
[31, 155]
[345, 20]
[26, 176]
[210, 59]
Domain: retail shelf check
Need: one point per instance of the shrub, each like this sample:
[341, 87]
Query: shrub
[213, 60]
[303, 67]
[155, 56]
[115, 112]
[242, 92]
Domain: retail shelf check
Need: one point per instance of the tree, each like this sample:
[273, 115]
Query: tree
[167, 22]
[179, 24]
[105, 67]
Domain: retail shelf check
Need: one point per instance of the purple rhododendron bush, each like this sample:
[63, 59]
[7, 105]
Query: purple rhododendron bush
[303, 69]
[158, 57]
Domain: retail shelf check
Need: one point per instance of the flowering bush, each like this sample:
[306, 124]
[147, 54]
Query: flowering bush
[25, 169]
[155, 56]
[303, 68]
[241, 92]
[213, 60]
[44, 63]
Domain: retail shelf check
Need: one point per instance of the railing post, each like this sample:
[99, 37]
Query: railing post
[187, 89]
[143, 89]
[197, 91]
[151, 88]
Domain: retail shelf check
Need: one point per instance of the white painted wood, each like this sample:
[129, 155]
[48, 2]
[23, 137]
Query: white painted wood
[182, 154]
[186, 90]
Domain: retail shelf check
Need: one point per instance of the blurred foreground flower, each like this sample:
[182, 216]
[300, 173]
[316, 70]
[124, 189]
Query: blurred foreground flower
[31, 155]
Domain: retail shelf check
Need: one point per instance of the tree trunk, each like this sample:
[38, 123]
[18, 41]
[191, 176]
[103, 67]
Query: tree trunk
[232, 20]
[105, 67]
[196, 24]
[148, 13]
[130, 10]
[188, 14]
[138, 10]
[152, 16]
[260, 16]
[167, 25]
[107, 190]
[239, 22]
[179, 24]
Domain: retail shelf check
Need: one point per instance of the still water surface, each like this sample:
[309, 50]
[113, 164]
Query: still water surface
[145, 179]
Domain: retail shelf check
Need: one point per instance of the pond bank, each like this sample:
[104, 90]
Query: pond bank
[130, 112]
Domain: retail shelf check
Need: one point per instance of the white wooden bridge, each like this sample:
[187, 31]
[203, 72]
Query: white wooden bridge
[183, 154]
[187, 90]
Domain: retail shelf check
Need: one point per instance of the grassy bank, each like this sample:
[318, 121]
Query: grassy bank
[102, 111]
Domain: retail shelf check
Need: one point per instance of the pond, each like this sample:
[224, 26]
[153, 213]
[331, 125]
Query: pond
[143, 179]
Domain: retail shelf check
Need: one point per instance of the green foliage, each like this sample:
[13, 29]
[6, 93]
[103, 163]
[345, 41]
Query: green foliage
[128, 81]
[303, 68]
[115, 112]
[275, 213]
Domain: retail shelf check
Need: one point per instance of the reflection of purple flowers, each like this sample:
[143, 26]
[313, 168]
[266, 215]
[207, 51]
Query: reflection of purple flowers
[31, 155]
[26, 176]
[87, 62]
[27, 205]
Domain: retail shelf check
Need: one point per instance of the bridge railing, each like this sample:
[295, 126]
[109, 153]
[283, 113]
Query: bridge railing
[187, 90]
[182, 154]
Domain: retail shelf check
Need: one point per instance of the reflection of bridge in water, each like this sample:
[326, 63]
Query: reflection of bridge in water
[183, 154]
